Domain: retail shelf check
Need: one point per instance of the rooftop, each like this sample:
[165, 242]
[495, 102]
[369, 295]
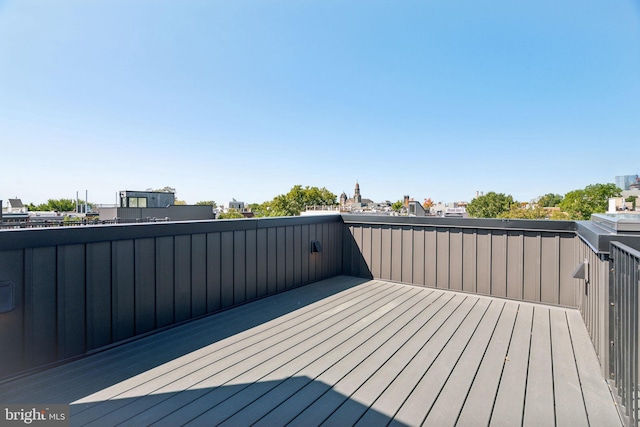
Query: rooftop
[335, 319]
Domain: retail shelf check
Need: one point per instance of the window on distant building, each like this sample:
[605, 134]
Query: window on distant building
[137, 202]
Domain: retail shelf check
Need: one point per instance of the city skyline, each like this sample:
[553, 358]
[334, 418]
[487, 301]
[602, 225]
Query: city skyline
[245, 100]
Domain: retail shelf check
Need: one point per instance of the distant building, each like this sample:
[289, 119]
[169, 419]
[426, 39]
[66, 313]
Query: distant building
[355, 202]
[16, 206]
[625, 182]
[239, 206]
[151, 206]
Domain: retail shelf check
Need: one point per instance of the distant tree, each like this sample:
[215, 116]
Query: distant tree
[297, 199]
[257, 209]
[58, 205]
[231, 214]
[517, 211]
[490, 205]
[580, 204]
[177, 202]
[207, 203]
[427, 204]
[549, 200]
[61, 205]
[165, 190]
[397, 206]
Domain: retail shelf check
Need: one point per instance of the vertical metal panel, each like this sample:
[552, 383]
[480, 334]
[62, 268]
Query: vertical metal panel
[515, 264]
[262, 267]
[550, 290]
[567, 283]
[297, 255]
[272, 256]
[406, 272]
[182, 288]
[366, 248]
[122, 290]
[281, 256]
[326, 251]
[313, 259]
[443, 258]
[469, 267]
[289, 257]
[214, 272]
[456, 265]
[251, 285]
[337, 247]
[376, 251]
[198, 275]
[71, 301]
[12, 355]
[145, 285]
[164, 281]
[239, 267]
[396, 254]
[347, 242]
[306, 252]
[532, 265]
[418, 256]
[41, 337]
[483, 266]
[385, 252]
[99, 295]
[431, 257]
[226, 269]
[499, 263]
[356, 250]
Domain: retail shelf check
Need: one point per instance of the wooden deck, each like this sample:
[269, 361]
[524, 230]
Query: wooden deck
[344, 351]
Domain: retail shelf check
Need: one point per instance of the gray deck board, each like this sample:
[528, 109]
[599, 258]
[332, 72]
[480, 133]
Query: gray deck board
[508, 407]
[343, 351]
[451, 397]
[539, 402]
[569, 402]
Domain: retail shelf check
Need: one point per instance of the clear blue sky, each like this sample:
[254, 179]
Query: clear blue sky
[244, 99]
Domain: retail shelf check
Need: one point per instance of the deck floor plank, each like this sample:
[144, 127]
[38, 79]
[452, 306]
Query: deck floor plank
[599, 403]
[372, 331]
[452, 396]
[419, 402]
[189, 381]
[437, 301]
[343, 351]
[509, 402]
[289, 409]
[401, 387]
[570, 408]
[476, 410]
[539, 405]
[374, 345]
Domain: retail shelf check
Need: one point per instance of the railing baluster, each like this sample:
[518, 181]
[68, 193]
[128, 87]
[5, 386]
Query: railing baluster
[626, 334]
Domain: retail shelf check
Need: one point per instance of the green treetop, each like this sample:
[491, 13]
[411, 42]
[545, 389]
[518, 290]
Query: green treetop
[490, 205]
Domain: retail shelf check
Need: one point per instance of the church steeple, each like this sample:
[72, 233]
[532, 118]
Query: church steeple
[357, 198]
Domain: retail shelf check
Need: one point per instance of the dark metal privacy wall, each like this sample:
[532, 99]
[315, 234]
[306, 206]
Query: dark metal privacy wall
[477, 256]
[78, 289]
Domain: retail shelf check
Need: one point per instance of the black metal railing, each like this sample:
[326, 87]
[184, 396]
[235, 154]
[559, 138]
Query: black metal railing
[623, 328]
